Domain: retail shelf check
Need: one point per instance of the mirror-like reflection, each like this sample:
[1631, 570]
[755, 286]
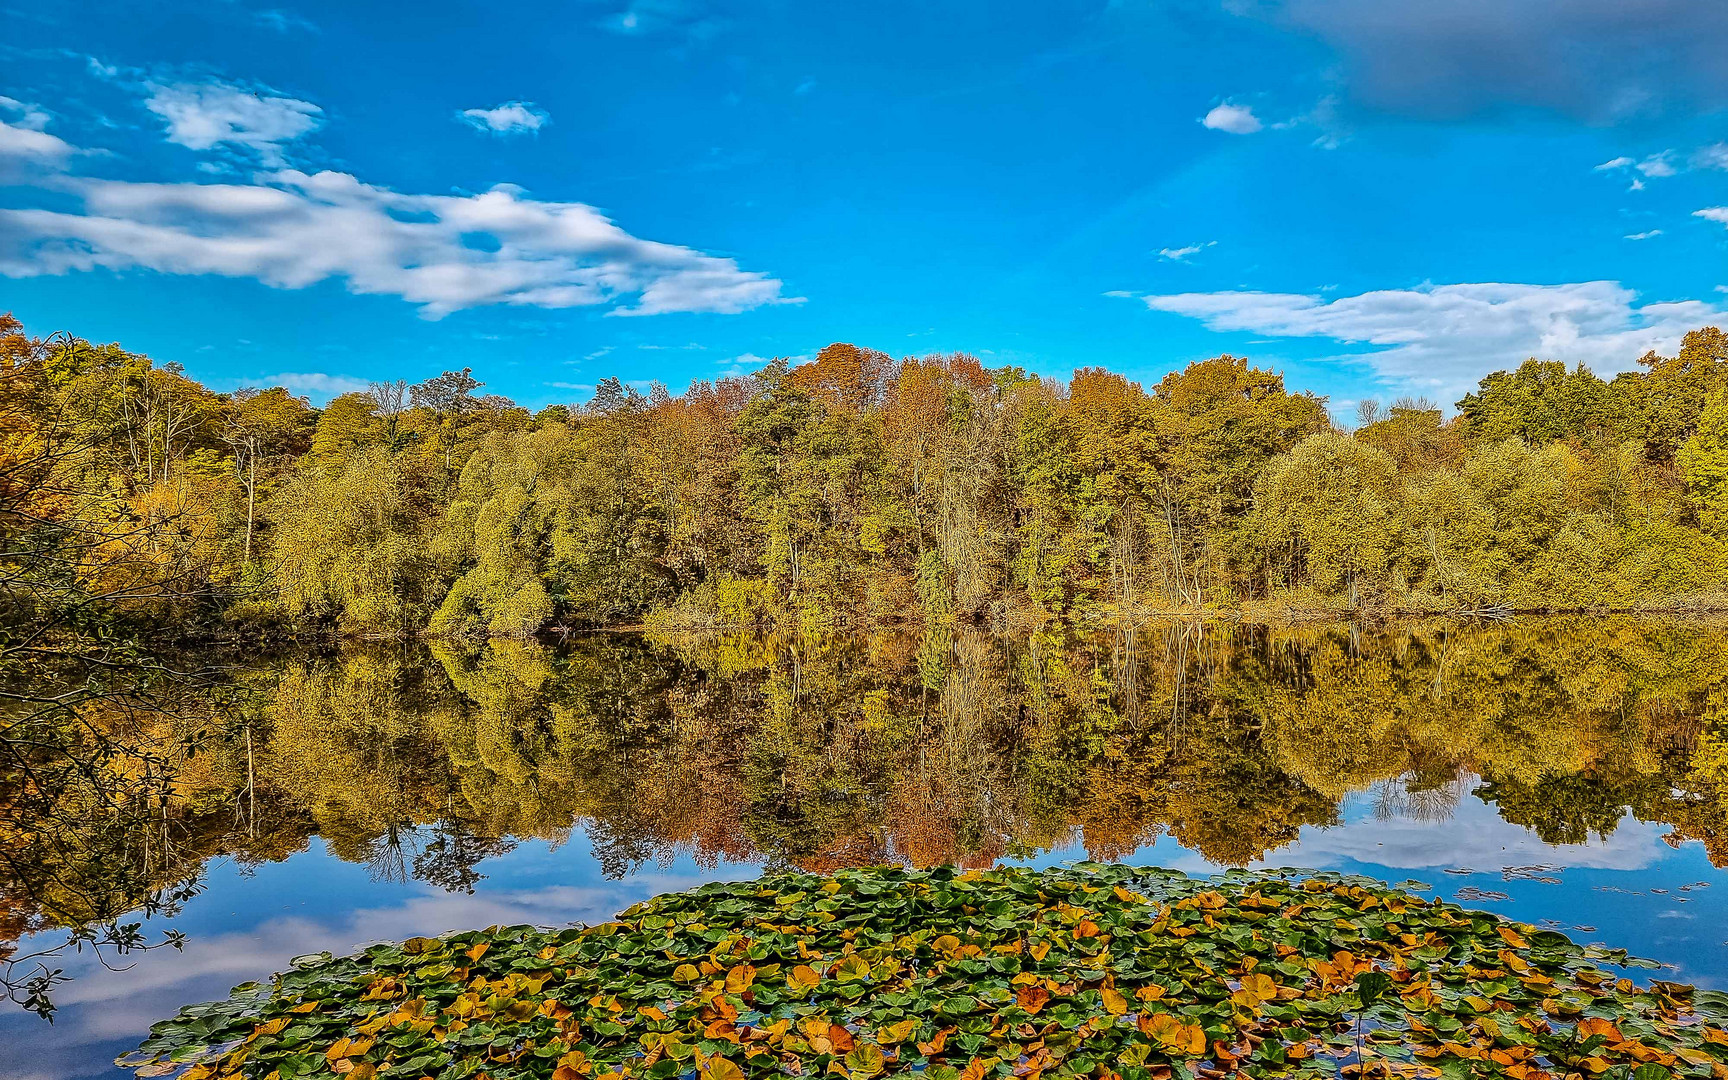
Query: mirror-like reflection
[426, 767]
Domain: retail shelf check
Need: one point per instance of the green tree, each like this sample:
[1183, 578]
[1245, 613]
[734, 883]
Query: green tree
[1664, 402]
[1538, 403]
[1703, 462]
[263, 429]
[1328, 513]
[351, 550]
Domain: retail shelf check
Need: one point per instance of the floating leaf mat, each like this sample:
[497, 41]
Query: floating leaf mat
[1099, 971]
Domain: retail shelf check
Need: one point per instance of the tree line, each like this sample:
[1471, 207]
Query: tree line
[849, 490]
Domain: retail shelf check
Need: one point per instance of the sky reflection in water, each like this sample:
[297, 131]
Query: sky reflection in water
[1628, 888]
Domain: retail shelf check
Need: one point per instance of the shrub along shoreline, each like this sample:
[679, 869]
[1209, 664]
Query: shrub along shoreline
[1111, 972]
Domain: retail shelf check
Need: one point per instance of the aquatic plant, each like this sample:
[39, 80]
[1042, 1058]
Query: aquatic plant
[1114, 972]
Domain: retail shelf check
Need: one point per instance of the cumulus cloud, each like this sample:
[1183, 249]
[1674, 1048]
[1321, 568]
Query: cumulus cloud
[1598, 60]
[1181, 254]
[290, 229]
[510, 118]
[1442, 338]
[1713, 213]
[443, 252]
[201, 116]
[1235, 119]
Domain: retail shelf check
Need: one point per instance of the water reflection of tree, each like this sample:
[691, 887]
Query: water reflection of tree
[824, 753]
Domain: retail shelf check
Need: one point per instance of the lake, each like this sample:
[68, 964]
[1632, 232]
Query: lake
[1540, 767]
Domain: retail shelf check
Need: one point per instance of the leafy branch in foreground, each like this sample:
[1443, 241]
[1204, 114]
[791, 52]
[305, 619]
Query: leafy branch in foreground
[1112, 972]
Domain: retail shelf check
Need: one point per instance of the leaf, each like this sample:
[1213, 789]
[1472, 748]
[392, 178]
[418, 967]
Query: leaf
[1370, 985]
[803, 977]
[1173, 1036]
[1596, 1026]
[977, 1069]
[865, 1061]
[894, 1034]
[1114, 1003]
[851, 968]
[1031, 998]
[715, 1067]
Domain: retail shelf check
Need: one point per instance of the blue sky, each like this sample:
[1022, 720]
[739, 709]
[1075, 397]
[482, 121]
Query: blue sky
[1376, 197]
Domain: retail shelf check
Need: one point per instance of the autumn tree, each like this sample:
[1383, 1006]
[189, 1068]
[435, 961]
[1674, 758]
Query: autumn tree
[1217, 423]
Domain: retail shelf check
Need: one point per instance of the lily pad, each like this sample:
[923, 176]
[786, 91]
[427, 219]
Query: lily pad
[1109, 972]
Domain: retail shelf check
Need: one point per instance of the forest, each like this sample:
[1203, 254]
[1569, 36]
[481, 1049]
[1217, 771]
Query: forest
[847, 491]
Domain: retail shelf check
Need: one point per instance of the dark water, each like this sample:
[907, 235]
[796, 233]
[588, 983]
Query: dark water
[1544, 768]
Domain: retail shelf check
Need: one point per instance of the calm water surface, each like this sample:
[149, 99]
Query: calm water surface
[1542, 768]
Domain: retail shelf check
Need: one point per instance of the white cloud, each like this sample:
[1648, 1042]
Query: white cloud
[30, 117]
[1235, 119]
[1658, 165]
[1714, 156]
[207, 115]
[1655, 166]
[24, 149]
[1442, 338]
[1669, 163]
[290, 229]
[1650, 234]
[510, 118]
[1180, 254]
[316, 384]
[1713, 213]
